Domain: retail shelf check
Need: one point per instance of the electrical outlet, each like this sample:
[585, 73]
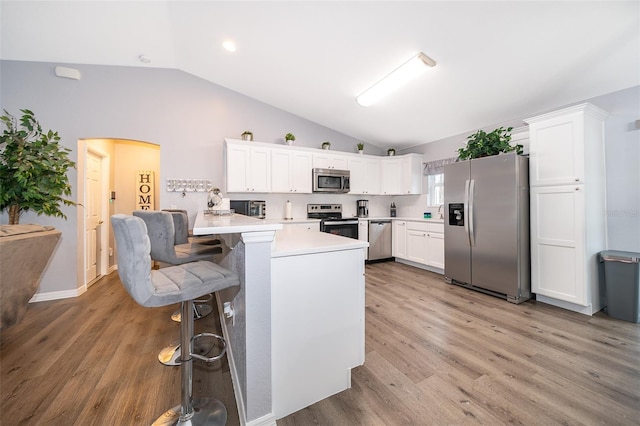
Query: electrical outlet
[110, 251]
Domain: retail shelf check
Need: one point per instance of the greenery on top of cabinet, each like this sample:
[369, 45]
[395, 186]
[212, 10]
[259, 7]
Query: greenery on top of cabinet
[483, 144]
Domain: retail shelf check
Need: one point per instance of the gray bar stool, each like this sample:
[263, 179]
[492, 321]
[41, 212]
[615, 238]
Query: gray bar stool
[181, 283]
[182, 230]
[185, 245]
[165, 241]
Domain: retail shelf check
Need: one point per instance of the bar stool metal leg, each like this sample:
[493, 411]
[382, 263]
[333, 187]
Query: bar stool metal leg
[201, 411]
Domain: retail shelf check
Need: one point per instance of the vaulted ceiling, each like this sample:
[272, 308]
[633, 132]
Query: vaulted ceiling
[496, 61]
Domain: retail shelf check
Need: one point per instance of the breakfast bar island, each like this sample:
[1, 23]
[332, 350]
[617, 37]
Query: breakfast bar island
[295, 325]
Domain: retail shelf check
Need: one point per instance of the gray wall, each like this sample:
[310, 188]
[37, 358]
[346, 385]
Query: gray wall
[189, 118]
[622, 152]
[186, 116]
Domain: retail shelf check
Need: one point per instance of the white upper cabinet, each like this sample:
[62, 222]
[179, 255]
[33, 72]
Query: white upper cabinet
[565, 145]
[402, 175]
[268, 168]
[391, 176]
[290, 171]
[325, 160]
[248, 169]
[365, 175]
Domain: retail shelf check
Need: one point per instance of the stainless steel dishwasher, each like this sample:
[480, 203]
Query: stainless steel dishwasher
[379, 239]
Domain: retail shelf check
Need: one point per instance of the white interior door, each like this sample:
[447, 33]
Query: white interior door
[93, 219]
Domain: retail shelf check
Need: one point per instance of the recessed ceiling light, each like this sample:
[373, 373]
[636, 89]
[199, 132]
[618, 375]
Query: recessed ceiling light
[229, 45]
[144, 59]
[397, 78]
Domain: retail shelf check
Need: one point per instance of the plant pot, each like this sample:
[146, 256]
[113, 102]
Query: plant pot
[247, 137]
[361, 151]
[288, 142]
[325, 146]
[25, 251]
[391, 153]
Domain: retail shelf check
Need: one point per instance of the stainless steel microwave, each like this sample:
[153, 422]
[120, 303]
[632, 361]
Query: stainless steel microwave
[331, 180]
[255, 208]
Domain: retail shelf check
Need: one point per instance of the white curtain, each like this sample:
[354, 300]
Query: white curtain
[437, 166]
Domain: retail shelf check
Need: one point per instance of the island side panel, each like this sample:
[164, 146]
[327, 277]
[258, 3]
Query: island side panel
[248, 332]
[318, 303]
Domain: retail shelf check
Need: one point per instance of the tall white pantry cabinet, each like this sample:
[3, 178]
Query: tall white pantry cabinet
[568, 207]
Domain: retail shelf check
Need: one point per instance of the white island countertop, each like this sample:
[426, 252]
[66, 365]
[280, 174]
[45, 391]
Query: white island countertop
[293, 242]
[209, 224]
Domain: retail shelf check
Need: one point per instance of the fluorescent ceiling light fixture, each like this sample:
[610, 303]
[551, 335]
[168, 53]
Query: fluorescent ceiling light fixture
[396, 79]
[229, 45]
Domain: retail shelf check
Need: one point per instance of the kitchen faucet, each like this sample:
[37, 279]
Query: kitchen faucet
[440, 211]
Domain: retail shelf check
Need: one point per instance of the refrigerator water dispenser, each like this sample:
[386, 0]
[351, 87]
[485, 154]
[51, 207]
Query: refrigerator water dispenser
[456, 214]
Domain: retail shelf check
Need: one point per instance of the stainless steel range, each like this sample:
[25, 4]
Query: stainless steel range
[331, 220]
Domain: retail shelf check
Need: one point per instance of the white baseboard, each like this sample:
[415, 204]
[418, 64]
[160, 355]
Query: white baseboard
[420, 265]
[57, 295]
[585, 310]
[66, 294]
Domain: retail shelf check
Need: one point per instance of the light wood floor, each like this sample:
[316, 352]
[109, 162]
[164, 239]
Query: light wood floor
[436, 354]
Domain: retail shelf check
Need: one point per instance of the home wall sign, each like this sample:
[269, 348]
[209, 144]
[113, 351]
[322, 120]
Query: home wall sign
[145, 193]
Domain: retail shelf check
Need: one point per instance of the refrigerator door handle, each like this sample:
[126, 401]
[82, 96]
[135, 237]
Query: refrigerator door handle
[472, 194]
[466, 210]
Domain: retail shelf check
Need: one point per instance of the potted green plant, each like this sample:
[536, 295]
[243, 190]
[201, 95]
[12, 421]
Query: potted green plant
[483, 144]
[391, 152]
[33, 168]
[33, 176]
[360, 148]
[326, 145]
[247, 136]
[289, 138]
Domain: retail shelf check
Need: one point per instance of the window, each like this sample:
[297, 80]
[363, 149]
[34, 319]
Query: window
[434, 170]
[435, 189]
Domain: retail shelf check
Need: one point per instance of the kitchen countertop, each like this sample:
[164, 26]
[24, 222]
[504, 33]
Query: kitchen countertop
[208, 224]
[291, 242]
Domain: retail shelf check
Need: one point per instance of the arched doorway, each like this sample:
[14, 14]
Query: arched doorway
[107, 169]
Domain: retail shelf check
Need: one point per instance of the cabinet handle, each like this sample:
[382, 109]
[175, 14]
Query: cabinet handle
[577, 179]
[577, 188]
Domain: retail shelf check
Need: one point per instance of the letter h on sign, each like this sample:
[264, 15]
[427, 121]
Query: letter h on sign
[145, 190]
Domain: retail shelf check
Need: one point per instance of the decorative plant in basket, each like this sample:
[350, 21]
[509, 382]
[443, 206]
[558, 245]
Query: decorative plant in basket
[483, 144]
[33, 168]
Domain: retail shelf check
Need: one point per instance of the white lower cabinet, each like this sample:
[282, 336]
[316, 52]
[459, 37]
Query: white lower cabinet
[416, 243]
[399, 239]
[435, 249]
[313, 351]
[557, 230]
[419, 242]
[363, 234]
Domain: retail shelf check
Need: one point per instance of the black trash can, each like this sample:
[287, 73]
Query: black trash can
[622, 284]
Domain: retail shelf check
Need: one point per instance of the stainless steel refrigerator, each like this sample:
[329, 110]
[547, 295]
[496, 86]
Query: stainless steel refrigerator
[486, 234]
